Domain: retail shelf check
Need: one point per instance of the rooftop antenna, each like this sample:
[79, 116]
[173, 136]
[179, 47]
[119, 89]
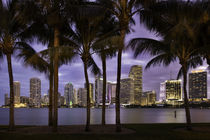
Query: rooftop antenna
[170, 75]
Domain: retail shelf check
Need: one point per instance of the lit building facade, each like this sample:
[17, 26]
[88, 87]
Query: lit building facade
[127, 91]
[111, 91]
[69, 94]
[91, 89]
[98, 90]
[148, 98]
[136, 74]
[35, 92]
[16, 92]
[171, 91]
[198, 85]
[6, 99]
[82, 97]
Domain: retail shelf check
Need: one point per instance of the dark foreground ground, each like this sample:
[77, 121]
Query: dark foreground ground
[130, 132]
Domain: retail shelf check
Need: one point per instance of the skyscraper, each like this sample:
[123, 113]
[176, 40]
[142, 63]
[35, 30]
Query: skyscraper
[69, 94]
[6, 99]
[35, 92]
[16, 92]
[91, 92]
[136, 74]
[171, 91]
[82, 97]
[162, 95]
[198, 85]
[98, 90]
[127, 91]
[111, 91]
[75, 97]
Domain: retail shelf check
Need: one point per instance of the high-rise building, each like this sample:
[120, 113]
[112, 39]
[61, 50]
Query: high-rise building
[162, 95]
[35, 92]
[69, 94]
[136, 74]
[171, 91]
[148, 98]
[127, 91]
[90, 92]
[16, 92]
[62, 100]
[111, 91]
[198, 85]
[24, 100]
[6, 99]
[82, 97]
[98, 90]
[45, 100]
[75, 97]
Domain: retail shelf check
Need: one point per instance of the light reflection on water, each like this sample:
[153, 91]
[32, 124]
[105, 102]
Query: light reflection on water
[78, 116]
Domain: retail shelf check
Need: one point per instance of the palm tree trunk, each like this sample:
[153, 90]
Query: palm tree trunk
[117, 98]
[186, 102]
[87, 128]
[56, 45]
[104, 90]
[11, 111]
[50, 116]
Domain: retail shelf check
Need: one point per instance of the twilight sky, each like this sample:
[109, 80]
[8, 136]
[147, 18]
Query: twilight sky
[74, 72]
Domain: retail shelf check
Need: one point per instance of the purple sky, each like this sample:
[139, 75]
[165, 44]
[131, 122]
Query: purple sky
[74, 72]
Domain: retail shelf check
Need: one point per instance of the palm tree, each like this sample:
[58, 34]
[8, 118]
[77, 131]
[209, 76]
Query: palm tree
[10, 42]
[106, 49]
[124, 11]
[178, 40]
[87, 39]
[203, 30]
[54, 15]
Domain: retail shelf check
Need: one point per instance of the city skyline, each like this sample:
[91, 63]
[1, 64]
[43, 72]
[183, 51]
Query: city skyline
[74, 72]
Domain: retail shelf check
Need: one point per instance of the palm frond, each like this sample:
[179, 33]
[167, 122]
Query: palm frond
[165, 59]
[93, 66]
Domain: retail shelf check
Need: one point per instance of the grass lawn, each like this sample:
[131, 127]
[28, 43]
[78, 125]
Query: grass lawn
[143, 132]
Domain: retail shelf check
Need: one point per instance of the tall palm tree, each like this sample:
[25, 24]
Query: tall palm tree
[123, 11]
[87, 37]
[10, 41]
[176, 25]
[106, 49]
[51, 14]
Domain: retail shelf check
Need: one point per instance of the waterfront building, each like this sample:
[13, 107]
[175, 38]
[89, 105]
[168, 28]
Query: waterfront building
[69, 94]
[149, 98]
[6, 100]
[16, 92]
[91, 92]
[111, 91]
[45, 100]
[127, 91]
[162, 95]
[198, 85]
[136, 74]
[75, 97]
[24, 100]
[82, 97]
[98, 90]
[171, 91]
[62, 101]
[35, 92]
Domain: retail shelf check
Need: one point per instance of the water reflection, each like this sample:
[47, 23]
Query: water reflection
[78, 116]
